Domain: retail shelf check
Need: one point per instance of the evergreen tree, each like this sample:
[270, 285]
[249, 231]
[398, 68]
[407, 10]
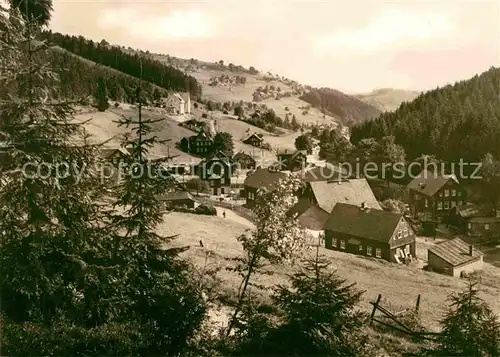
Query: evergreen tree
[470, 329]
[52, 241]
[157, 288]
[101, 95]
[223, 142]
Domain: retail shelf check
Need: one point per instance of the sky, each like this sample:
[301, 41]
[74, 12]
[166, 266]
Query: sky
[354, 46]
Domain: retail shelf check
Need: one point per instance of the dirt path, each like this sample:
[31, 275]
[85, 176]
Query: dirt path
[233, 216]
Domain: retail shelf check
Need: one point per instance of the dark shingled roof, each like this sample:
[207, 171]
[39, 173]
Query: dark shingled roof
[263, 178]
[175, 196]
[309, 215]
[469, 210]
[370, 224]
[455, 251]
[428, 183]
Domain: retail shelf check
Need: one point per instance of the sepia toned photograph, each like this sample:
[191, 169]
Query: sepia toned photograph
[214, 178]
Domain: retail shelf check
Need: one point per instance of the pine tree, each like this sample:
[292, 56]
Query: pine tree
[470, 329]
[155, 281]
[50, 222]
[101, 95]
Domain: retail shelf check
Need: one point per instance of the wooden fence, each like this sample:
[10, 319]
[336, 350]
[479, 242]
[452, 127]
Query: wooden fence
[397, 323]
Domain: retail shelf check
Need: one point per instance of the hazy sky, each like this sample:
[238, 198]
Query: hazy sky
[351, 45]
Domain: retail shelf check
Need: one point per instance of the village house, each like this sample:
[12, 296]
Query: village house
[217, 170]
[474, 220]
[361, 230]
[178, 103]
[244, 161]
[433, 195]
[260, 179]
[254, 140]
[318, 199]
[289, 160]
[200, 144]
[179, 199]
[454, 257]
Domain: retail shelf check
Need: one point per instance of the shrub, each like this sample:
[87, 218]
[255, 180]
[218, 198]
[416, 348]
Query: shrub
[204, 115]
[206, 210]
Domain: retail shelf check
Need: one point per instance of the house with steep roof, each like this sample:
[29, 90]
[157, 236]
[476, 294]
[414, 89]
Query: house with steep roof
[260, 179]
[175, 104]
[361, 230]
[318, 199]
[199, 144]
[474, 220]
[454, 257]
[244, 161]
[217, 170]
[254, 139]
[433, 195]
[289, 160]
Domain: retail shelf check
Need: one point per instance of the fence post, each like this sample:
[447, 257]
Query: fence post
[375, 306]
[417, 305]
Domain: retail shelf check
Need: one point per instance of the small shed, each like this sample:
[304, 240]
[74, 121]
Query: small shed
[454, 257]
[179, 199]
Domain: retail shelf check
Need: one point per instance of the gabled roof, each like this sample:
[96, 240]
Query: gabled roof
[185, 96]
[179, 98]
[428, 183]
[254, 135]
[365, 223]
[107, 153]
[263, 178]
[470, 210]
[176, 196]
[455, 251]
[309, 215]
[242, 155]
[202, 134]
[354, 192]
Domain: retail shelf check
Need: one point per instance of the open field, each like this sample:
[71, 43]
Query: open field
[387, 99]
[245, 92]
[398, 284]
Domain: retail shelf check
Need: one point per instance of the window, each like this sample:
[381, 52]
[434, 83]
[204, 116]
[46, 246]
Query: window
[334, 242]
[440, 194]
[446, 193]
[426, 203]
[446, 205]
[222, 181]
[469, 225]
[453, 204]
[378, 253]
[453, 192]
[440, 206]
[360, 247]
[459, 193]
[486, 226]
[400, 234]
[405, 232]
[369, 251]
[342, 244]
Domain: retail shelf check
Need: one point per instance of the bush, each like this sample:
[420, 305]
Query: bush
[204, 115]
[225, 112]
[206, 210]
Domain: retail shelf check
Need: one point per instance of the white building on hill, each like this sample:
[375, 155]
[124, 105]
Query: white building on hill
[178, 103]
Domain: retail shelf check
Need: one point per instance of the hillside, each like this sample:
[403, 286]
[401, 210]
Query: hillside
[452, 122]
[387, 99]
[115, 57]
[349, 109]
[79, 77]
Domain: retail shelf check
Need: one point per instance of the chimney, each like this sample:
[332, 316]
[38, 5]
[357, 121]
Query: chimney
[471, 247]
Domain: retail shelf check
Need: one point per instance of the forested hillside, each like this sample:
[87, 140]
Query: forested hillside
[350, 109]
[154, 71]
[79, 78]
[453, 122]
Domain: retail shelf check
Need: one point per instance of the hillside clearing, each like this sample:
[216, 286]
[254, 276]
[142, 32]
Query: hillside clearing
[398, 284]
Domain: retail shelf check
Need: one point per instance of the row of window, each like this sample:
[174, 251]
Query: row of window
[445, 204]
[202, 149]
[402, 233]
[203, 143]
[251, 196]
[453, 193]
[222, 182]
[486, 226]
[378, 251]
